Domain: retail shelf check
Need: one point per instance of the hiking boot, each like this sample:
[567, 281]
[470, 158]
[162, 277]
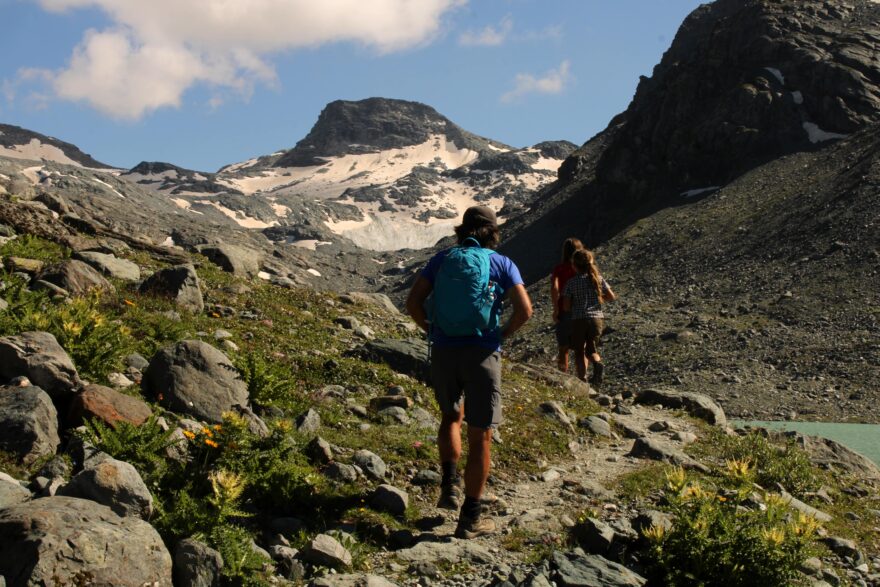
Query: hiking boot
[598, 369]
[472, 527]
[450, 496]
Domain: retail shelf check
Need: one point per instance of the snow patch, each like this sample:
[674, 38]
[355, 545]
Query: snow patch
[817, 135]
[33, 173]
[547, 164]
[264, 275]
[777, 74]
[699, 191]
[238, 166]
[798, 96]
[168, 242]
[280, 210]
[308, 243]
[108, 186]
[314, 272]
[239, 217]
[37, 151]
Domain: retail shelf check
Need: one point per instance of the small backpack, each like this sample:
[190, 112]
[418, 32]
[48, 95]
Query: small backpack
[463, 296]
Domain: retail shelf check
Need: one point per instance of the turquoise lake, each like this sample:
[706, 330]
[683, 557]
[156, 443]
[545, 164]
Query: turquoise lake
[862, 438]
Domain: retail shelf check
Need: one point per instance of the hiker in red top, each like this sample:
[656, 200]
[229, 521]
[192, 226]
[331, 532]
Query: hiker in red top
[560, 276]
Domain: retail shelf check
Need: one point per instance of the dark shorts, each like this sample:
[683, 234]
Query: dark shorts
[563, 330]
[585, 333]
[471, 375]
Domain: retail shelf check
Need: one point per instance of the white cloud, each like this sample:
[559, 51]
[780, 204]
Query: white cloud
[157, 50]
[490, 36]
[552, 82]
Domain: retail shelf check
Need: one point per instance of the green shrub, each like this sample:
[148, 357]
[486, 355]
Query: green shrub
[241, 564]
[722, 538]
[142, 446]
[29, 246]
[268, 382]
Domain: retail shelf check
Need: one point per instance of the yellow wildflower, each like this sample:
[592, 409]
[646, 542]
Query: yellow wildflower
[211, 443]
[739, 469]
[654, 532]
[72, 328]
[773, 536]
[675, 479]
[129, 303]
[189, 434]
[207, 432]
[227, 486]
[805, 525]
[693, 492]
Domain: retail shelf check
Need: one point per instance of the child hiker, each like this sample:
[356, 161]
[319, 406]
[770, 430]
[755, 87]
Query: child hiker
[583, 297]
[558, 279]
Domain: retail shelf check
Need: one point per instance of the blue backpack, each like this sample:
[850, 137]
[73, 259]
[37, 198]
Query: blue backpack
[463, 295]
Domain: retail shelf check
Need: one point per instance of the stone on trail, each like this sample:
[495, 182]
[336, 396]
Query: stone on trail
[371, 463]
[352, 580]
[387, 498]
[180, 283]
[597, 426]
[457, 551]
[107, 405]
[538, 521]
[327, 551]
[194, 378]
[555, 411]
[590, 570]
[595, 536]
[61, 540]
[39, 357]
[115, 484]
[695, 404]
[28, 423]
[196, 564]
[647, 448]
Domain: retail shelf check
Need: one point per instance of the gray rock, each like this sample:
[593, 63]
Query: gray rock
[196, 564]
[178, 446]
[595, 536]
[371, 464]
[287, 563]
[39, 357]
[842, 547]
[308, 422]
[375, 299]
[454, 552]
[327, 551]
[555, 411]
[119, 381]
[696, 404]
[685, 437]
[828, 453]
[60, 540]
[137, 361]
[648, 448]
[597, 426]
[797, 504]
[352, 580]
[194, 378]
[388, 498]
[407, 356]
[111, 265]
[234, 259]
[649, 518]
[423, 418]
[11, 491]
[427, 477]
[319, 451]
[592, 570]
[3, 305]
[255, 424]
[341, 472]
[28, 423]
[108, 406]
[115, 484]
[221, 334]
[75, 277]
[180, 283]
[396, 414]
[538, 521]
[348, 322]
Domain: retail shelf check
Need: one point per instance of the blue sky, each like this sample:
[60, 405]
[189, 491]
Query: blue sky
[170, 80]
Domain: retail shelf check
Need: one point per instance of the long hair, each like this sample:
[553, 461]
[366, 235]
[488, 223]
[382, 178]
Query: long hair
[488, 235]
[585, 262]
[569, 247]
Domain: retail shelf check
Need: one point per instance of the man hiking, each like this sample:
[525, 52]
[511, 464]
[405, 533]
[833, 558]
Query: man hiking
[467, 284]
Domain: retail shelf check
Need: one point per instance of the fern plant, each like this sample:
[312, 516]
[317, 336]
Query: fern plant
[142, 446]
[268, 383]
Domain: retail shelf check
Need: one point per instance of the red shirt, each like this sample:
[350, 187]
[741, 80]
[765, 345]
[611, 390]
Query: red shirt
[563, 272]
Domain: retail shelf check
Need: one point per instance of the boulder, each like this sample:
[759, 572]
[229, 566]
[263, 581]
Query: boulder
[115, 484]
[180, 283]
[110, 265]
[341, 472]
[11, 491]
[371, 464]
[66, 541]
[555, 411]
[647, 448]
[308, 422]
[387, 498]
[578, 570]
[39, 357]
[194, 378]
[695, 404]
[22, 265]
[107, 405]
[28, 423]
[234, 259]
[196, 564]
[407, 356]
[319, 451]
[352, 580]
[597, 426]
[374, 299]
[327, 551]
[75, 277]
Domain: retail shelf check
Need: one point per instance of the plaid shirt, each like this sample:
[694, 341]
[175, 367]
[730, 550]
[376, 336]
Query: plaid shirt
[584, 297]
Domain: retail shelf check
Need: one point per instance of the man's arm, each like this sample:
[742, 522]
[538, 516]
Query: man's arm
[522, 310]
[415, 302]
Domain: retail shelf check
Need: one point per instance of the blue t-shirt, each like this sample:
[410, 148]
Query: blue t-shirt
[504, 273]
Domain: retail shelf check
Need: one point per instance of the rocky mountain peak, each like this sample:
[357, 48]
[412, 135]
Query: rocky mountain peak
[743, 83]
[20, 143]
[371, 125]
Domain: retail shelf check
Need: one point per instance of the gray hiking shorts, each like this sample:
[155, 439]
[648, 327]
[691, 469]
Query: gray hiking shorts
[471, 375]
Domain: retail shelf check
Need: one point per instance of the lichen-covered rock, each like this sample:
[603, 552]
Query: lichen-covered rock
[75, 277]
[115, 484]
[194, 378]
[28, 423]
[111, 265]
[107, 405]
[196, 564]
[69, 541]
[327, 551]
[39, 357]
